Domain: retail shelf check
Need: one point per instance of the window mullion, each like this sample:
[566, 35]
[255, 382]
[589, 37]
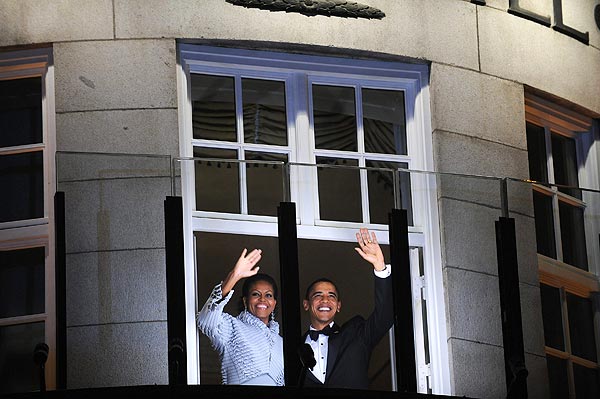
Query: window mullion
[243, 182]
[364, 190]
[301, 178]
[291, 101]
[557, 235]
[360, 131]
[309, 174]
[48, 191]
[50, 186]
[567, 338]
[549, 158]
[565, 319]
[551, 180]
[419, 295]
[239, 123]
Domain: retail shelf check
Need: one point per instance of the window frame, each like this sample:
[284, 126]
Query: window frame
[583, 287]
[298, 69]
[241, 146]
[557, 119]
[568, 279]
[38, 232]
[360, 155]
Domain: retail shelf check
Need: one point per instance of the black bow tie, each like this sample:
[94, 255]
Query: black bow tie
[314, 334]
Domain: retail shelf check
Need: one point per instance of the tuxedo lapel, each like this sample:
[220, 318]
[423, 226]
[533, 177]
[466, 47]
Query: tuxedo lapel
[303, 338]
[333, 348]
[311, 377]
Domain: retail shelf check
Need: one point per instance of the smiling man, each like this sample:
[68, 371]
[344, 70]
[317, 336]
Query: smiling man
[342, 353]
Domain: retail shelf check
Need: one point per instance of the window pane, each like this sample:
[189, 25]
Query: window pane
[265, 119]
[557, 377]
[339, 191]
[339, 262]
[22, 184]
[20, 112]
[587, 383]
[17, 369]
[544, 224]
[216, 255]
[573, 236]
[564, 158]
[381, 191]
[552, 317]
[265, 183]
[213, 107]
[217, 183]
[22, 282]
[334, 113]
[581, 326]
[536, 152]
[384, 121]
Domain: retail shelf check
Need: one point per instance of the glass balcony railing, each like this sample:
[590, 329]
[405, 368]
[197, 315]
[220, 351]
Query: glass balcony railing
[566, 220]
[115, 235]
[115, 200]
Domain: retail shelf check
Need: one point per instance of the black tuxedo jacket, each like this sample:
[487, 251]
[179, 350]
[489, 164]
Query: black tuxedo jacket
[350, 347]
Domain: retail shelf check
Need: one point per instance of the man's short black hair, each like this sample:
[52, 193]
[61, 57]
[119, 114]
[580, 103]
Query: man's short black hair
[320, 280]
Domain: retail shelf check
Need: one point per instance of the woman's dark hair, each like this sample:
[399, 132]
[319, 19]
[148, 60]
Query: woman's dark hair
[320, 280]
[250, 281]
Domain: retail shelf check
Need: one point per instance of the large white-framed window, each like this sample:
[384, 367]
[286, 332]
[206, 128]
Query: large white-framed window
[563, 154]
[27, 148]
[357, 119]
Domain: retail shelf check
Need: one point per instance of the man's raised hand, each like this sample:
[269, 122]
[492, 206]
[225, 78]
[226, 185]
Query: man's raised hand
[369, 249]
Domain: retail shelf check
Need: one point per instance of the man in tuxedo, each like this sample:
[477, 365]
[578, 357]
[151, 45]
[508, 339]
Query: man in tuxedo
[342, 353]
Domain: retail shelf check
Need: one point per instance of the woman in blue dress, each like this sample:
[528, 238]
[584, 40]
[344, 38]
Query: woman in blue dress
[249, 345]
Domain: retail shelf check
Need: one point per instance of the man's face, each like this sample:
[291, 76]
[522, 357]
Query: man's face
[322, 304]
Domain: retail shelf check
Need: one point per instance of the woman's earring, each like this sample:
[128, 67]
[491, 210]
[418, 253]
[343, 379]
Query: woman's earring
[272, 315]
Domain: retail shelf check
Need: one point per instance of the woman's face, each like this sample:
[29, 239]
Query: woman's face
[261, 300]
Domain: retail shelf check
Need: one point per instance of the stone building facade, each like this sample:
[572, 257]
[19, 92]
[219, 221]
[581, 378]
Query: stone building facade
[120, 84]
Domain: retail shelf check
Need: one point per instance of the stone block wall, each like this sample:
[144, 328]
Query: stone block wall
[116, 95]
[116, 131]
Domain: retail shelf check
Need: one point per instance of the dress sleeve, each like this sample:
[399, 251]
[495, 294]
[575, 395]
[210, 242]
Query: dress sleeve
[212, 321]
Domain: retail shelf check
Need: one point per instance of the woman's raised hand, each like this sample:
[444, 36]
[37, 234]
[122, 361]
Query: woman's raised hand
[246, 264]
[244, 267]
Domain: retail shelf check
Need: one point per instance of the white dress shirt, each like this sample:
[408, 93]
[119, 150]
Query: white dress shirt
[319, 348]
